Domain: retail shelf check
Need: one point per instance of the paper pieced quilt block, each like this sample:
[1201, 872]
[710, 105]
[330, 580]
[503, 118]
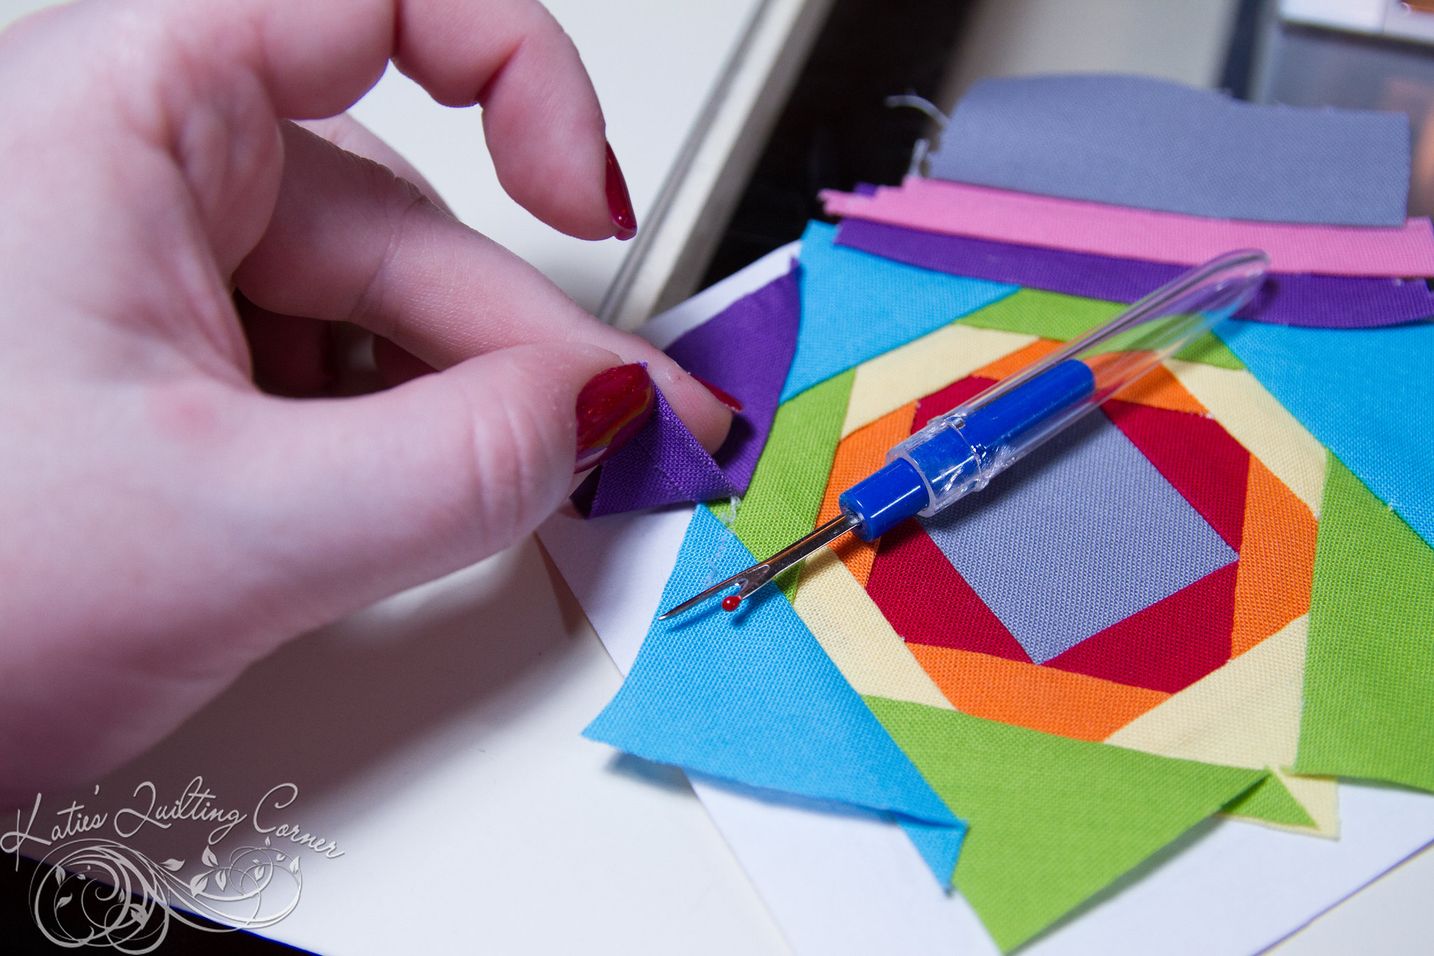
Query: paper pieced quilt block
[1121, 626]
[1213, 595]
[1174, 670]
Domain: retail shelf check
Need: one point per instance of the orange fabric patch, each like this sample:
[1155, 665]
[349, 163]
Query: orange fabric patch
[1027, 695]
[1158, 388]
[1276, 569]
[1017, 360]
[1162, 390]
[859, 454]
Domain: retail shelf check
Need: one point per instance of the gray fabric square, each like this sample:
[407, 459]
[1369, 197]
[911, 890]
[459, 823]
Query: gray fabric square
[1082, 534]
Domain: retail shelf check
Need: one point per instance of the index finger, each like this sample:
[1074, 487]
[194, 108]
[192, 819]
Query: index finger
[315, 58]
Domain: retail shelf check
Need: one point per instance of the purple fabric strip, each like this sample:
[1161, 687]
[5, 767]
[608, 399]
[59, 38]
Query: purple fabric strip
[746, 350]
[1316, 301]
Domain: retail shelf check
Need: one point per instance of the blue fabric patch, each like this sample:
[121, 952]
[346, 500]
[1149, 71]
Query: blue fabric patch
[1080, 536]
[1366, 394]
[939, 846]
[1138, 141]
[752, 697]
[856, 306]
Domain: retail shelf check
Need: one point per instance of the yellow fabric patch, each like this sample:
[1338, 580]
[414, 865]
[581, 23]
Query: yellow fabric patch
[1256, 420]
[921, 367]
[1245, 714]
[849, 626]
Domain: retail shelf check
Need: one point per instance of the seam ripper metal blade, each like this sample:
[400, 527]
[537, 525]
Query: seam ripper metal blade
[960, 452]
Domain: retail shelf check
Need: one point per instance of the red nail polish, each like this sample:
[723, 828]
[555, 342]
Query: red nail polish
[723, 396]
[619, 203]
[612, 408]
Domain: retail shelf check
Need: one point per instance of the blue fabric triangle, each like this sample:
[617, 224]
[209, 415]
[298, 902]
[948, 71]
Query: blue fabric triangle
[752, 697]
[856, 306]
[1366, 394]
[939, 846]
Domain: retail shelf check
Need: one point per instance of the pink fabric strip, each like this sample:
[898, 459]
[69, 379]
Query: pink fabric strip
[964, 210]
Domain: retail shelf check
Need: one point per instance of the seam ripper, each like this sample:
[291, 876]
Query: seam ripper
[961, 451]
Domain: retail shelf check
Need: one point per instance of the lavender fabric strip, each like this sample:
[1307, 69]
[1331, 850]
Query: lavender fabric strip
[1139, 141]
[746, 350]
[1316, 301]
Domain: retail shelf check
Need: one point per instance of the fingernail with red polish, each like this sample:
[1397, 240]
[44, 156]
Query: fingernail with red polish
[619, 203]
[723, 396]
[612, 408]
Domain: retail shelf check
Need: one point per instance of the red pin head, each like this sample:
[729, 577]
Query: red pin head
[731, 602]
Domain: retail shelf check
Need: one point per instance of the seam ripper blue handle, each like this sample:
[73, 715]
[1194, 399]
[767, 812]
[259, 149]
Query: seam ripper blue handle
[961, 451]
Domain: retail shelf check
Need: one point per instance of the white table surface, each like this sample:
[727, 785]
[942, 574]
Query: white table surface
[435, 736]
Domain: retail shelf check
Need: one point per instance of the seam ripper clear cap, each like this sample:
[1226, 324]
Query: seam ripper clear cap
[961, 451]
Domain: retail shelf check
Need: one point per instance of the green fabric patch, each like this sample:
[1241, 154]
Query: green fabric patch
[1270, 801]
[782, 502]
[1053, 820]
[1369, 676]
[1052, 315]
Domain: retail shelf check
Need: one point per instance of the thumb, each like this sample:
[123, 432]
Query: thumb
[363, 497]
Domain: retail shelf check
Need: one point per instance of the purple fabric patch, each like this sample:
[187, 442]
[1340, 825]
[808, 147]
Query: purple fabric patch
[1317, 301]
[746, 350]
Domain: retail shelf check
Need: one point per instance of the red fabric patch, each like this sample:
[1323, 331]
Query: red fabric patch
[939, 403]
[927, 601]
[1169, 645]
[1196, 455]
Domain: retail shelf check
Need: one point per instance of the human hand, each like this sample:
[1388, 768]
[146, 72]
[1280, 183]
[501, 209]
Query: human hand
[163, 524]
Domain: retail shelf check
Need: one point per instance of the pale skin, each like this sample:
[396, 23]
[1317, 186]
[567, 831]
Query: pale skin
[164, 523]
